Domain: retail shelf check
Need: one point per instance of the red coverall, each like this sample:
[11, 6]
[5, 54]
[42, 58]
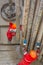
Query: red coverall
[11, 34]
[27, 60]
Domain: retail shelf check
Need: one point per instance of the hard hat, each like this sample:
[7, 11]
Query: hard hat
[33, 54]
[14, 26]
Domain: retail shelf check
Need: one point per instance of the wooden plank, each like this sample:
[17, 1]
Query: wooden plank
[36, 22]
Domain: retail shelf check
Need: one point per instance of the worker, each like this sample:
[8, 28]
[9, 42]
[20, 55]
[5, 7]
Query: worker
[28, 58]
[11, 31]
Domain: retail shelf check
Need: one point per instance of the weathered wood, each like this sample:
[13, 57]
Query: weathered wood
[36, 22]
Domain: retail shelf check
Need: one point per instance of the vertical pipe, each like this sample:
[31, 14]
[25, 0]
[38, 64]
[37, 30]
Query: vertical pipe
[40, 57]
[0, 34]
[17, 20]
[40, 33]
[25, 16]
[24, 22]
[36, 22]
[30, 19]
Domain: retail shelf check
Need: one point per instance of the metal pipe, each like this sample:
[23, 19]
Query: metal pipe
[36, 23]
[17, 6]
[40, 57]
[24, 24]
[25, 17]
[30, 19]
